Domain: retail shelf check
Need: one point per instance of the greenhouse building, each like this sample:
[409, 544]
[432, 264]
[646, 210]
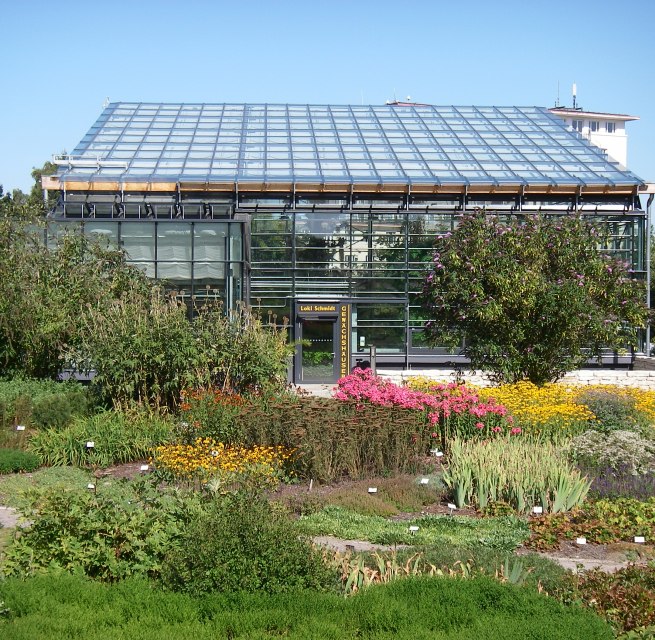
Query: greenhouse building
[323, 217]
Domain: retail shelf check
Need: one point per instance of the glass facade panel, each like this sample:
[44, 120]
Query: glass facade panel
[383, 143]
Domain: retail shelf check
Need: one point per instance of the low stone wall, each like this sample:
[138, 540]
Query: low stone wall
[641, 376]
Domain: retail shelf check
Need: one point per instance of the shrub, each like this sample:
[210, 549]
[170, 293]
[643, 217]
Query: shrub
[106, 535]
[601, 522]
[531, 299]
[57, 410]
[33, 402]
[242, 543]
[146, 350]
[46, 290]
[516, 471]
[117, 436]
[209, 413]
[626, 598]
[619, 449]
[14, 460]
[613, 410]
[334, 439]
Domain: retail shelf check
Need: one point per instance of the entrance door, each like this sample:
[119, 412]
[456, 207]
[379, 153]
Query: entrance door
[317, 355]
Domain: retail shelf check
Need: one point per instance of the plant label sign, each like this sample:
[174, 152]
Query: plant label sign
[537, 510]
[90, 444]
[144, 467]
[20, 427]
[425, 480]
[413, 528]
[581, 540]
[436, 453]
[372, 489]
[90, 486]
[640, 539]
[452, 506]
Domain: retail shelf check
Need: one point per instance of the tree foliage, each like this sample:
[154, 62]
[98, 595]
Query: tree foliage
[531, 299]
[29, 206]
[44, 292]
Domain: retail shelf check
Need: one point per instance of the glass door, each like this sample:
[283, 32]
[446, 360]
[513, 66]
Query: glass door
[317, 351]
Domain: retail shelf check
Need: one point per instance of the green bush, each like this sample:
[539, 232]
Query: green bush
[144, 349]
[242, 543]
[335, 438]
[118, 436]
[59, 606]
[57, 410]
[31, 402]
[105, 534]
[14, 460]
[612, 411]
[46, 291]
[514, 470]
[532, 298]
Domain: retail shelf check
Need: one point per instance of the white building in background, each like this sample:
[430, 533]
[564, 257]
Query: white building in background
[605, 130]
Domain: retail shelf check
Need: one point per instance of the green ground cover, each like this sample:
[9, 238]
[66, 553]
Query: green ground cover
[435, 608]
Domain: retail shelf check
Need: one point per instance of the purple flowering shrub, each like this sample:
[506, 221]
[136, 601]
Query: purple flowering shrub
[533, 299]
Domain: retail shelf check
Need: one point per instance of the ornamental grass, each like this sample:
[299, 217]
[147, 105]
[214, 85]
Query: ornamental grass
[514, 471]
[207, 459]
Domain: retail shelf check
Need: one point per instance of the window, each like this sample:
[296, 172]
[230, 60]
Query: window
[594, 125]
[611, 127]
[576, 125]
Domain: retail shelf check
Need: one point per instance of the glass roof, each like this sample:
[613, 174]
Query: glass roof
[399, 144]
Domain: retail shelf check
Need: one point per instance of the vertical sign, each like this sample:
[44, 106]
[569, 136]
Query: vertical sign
[344, 340]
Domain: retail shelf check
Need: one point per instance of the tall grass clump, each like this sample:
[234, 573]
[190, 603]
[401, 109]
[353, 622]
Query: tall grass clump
[515, 471]
[117, 437]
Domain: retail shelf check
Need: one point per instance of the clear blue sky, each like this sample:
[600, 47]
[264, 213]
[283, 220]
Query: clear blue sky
[60, 60]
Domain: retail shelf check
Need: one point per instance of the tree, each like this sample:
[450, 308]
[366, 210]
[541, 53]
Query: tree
[21, 206]
[532, 299]
[44, 293]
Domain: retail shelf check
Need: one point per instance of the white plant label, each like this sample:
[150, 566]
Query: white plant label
[372, 489]
[452, 506]
[90, 444]
[144, 467]
[537, 510]
[20, 427]
[425, 480]
[581, 540]
[413, 528]
[90, 486]
[640, 539]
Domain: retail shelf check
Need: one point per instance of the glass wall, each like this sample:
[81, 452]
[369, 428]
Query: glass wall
[199, 260]
[378, 260]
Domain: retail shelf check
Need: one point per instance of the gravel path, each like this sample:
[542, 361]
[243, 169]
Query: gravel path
[9, 517]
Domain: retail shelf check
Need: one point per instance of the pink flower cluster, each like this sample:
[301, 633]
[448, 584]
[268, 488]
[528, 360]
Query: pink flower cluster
[445, 400]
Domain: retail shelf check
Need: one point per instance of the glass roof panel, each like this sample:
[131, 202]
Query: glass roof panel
[406, 143]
